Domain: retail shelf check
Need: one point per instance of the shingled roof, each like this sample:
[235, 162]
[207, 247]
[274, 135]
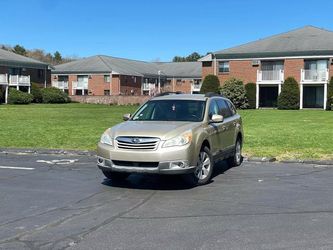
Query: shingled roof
[306, 41]
[181, 69]
[9, 58]
[107, 64]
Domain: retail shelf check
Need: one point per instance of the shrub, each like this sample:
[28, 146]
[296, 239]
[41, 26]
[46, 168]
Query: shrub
[211, 83]
[19, 97]
[251, 94]
[234, 90]
[290, 95]
[330, 95]
[36, 93]
[54, 95]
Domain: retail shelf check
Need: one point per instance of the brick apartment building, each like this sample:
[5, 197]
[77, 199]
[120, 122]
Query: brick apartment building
[104, 75]
[19, 72]
[305, 54]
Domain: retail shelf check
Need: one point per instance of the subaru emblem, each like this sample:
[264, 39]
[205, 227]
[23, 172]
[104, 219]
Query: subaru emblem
[136, 140]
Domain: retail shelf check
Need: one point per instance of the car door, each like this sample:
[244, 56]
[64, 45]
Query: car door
[214, 130]
[228, 125]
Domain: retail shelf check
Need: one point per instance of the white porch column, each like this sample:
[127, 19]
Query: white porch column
[29, 90]
[17, 87]
[279, 88]
[257, 95]
[301, 97]
[6, 94]
[325, 95]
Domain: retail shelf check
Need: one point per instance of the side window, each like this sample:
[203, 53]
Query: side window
[213, 109]
[232, 108]
[224, 108]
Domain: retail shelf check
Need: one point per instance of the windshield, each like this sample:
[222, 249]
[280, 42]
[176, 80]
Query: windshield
[171, 110]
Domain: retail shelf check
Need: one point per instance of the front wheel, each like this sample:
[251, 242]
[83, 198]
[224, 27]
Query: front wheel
[204, 170]
[237, 158]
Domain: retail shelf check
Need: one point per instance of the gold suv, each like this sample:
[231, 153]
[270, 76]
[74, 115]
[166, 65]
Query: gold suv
[173, 134]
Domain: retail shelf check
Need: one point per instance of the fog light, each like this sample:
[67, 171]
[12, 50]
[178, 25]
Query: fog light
[177, 164]
[100, 160]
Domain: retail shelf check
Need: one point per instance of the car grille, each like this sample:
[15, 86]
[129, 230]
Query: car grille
[137, 143]
[136, 164]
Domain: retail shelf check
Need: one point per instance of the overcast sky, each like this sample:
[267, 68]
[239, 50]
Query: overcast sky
[152, 30]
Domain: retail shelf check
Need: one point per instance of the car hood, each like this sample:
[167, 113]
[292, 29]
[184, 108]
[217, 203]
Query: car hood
[161, 129]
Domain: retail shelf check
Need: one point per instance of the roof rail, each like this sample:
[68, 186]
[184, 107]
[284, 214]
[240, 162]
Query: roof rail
[212, 94]
[169, 93]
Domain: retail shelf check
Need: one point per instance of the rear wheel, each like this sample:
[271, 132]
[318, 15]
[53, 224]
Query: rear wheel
[115, 175]
[237, 158]
[204, 170]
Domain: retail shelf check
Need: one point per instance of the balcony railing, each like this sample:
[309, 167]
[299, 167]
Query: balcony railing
[148, 86]
[80, 85]
[195, 87]
[310, 75]
[17, 80]
[3, 79]
[270, 76]
[60, 84]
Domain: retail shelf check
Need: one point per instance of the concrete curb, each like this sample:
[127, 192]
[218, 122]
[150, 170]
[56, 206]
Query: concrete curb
[260, 159]
[93, 153]
[47, 151]
[273, 159]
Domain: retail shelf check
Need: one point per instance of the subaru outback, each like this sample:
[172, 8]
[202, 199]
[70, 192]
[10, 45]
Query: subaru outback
[173, 134]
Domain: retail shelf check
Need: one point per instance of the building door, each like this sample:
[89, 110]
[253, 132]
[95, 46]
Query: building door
[313, 96]
[268, 96]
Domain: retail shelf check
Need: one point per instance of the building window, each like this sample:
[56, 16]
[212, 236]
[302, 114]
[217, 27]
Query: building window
[106, 92]
[224, 67]
[206, 64]
[106, 78]
[179, 82]
[40, 73]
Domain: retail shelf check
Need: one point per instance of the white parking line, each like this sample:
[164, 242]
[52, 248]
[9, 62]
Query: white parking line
[18, 168]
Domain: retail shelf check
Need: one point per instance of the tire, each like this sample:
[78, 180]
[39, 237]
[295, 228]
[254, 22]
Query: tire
[237, 158]
[116, 176]
[205, 165]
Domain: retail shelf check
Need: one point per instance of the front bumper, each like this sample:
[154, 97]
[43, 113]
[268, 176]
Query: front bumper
[178, 160]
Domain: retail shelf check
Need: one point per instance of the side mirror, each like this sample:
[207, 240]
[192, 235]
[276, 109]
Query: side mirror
[216, 118]
[126, 117]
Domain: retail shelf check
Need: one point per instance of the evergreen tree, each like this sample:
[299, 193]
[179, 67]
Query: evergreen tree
[290, 95]
[211, 83]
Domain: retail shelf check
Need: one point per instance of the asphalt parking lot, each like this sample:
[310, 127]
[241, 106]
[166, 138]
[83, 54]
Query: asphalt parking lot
[58, 202]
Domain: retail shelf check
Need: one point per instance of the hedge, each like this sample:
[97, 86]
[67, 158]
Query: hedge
[19, 97]
[54, 95]
[234, 90]
[329, 103]
[251, 94]
[36, 93]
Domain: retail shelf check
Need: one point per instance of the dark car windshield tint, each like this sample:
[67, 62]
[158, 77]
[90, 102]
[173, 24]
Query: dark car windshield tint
[171, 110]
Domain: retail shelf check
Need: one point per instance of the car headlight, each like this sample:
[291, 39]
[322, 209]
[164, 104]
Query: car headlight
[180, 140]
[106, 139]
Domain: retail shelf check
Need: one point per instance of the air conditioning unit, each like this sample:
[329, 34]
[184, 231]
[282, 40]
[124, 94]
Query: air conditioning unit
[255, 62]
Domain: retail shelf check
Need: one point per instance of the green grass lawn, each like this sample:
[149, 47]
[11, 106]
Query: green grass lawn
[286, 134]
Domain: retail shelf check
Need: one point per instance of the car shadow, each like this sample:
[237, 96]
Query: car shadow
[161, 182]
